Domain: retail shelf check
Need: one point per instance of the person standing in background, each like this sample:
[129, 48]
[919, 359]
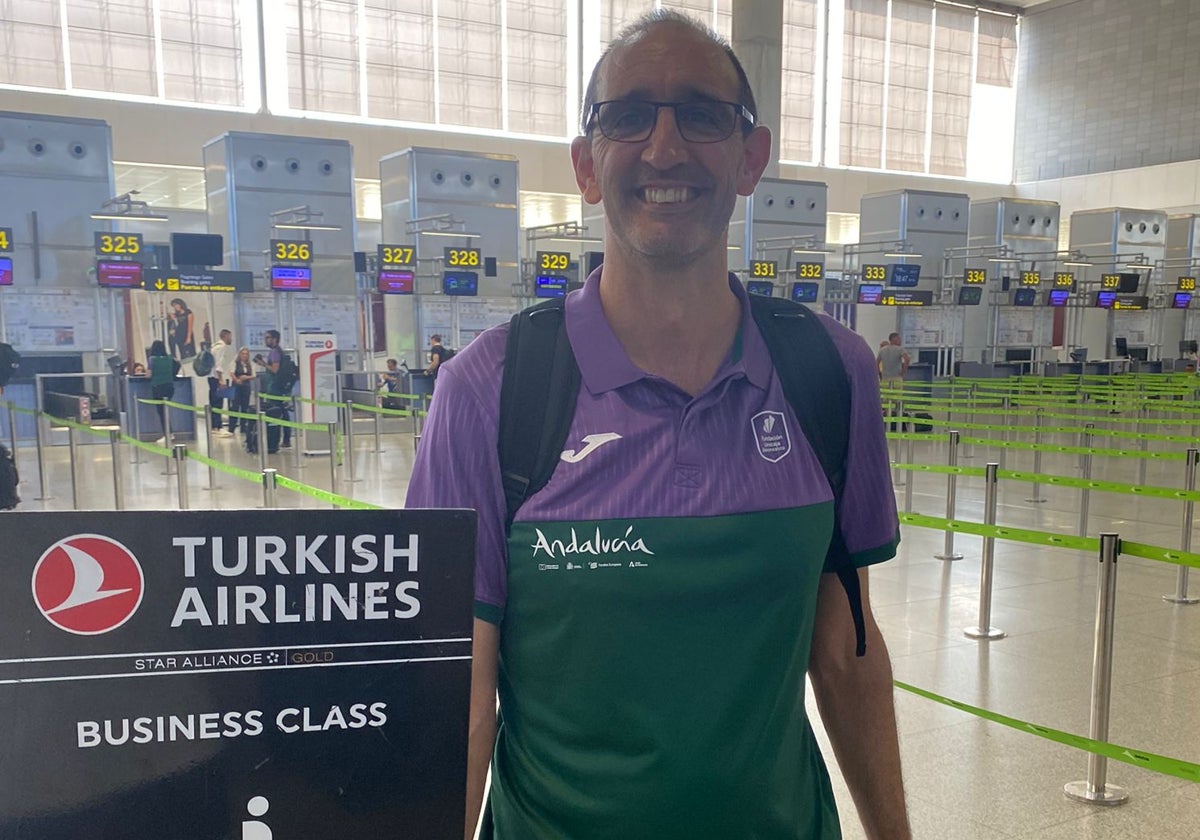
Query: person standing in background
[218, 378]
[893, 362]
[163, 369]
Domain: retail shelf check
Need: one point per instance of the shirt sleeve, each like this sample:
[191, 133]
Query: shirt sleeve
[869, 522]
[457, 465]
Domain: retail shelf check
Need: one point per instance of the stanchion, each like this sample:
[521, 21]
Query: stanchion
[167, 436]
[1142, 443]
[208, 436]
[179, 452]
[1086, 466]
[268, 485]
[347, 458]
[261, 420]
[114, 441]
[333, 488]
[911, 479]
[378, 431]
[1185, 539]
[1095, 788]
[300, 442]
[135, 424]
[72, 451]
[1035, 495]
[985, 632]
[948, 552]
[44, 490]
[348, 422]
[12, 430]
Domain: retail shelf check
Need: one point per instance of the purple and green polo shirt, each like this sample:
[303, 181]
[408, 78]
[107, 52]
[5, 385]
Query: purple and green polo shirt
[656, 598]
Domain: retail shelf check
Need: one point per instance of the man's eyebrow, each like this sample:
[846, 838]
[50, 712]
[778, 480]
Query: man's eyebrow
[689, 94]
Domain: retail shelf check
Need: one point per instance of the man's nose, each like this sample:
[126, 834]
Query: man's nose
[665, 146]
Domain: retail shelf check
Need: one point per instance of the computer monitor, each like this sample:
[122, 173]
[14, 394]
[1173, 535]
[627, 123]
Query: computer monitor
[1129, 282]
[197, 249]
[970, 295]
[1058, 297]
[805, 292]
[1079, 354]
[1025, 297]
[1121, 345]
[1139, 354]
[763, 288]
[1018, 354]
[1188, 347]
[870, 293]
[1181, 300]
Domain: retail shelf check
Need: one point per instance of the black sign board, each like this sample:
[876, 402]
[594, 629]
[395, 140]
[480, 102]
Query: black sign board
[203, 281]
[906, 297]
[235, 674]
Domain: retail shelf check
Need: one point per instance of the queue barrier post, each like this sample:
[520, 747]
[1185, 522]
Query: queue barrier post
[948, 552]
[1185, 539]
[44, 490]
[208, 436]
[135, 423]
[114, 441]
[1142, 444]
[300, 444]
[378, 425]
[261, 419]
[1095, 788]
[73, 451]
[348, 456]
[268, 485]
[911, 478]
[984, 631]
[1086, 465]
[179, 453]
[166, 415]
[1035, 494]
[333, 487]
[12, 429]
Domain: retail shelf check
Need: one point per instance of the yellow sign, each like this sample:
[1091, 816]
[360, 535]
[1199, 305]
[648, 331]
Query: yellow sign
[810, 270]
[6, 244]
[1064, 280]
[764, 269]
[1187, 284]
[118, 244]
[291, 251]
[390, 255]
[463, 257]
[975, 276]
[553, 261]
[1110, 281]
[1031, 278]
[874, 273]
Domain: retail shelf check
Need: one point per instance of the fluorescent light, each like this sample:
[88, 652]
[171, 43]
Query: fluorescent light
[821, 251]
[1003, 259]
[733, 247]
[304, 226]
[1139, 266]
[459, 235]
[1079, 264]
[575, 239]
[117, 217]
[905, 256]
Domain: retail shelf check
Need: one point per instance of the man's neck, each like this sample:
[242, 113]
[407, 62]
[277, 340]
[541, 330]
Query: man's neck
[677, 324]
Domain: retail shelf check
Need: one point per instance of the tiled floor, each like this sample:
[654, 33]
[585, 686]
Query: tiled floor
[966, 779]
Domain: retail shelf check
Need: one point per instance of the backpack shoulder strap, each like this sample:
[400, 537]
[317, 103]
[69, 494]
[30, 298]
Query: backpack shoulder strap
[537, 401]
[808, 364]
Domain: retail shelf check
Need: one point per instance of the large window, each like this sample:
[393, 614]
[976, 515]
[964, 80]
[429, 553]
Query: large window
[800, 83]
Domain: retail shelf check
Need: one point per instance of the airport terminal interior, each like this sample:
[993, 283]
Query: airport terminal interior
[1012, 188]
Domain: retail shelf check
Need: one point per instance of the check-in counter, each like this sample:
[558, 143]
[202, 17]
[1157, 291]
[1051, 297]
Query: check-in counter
[990, 370]
[144, 422]
[922, 373]
[1062, 369]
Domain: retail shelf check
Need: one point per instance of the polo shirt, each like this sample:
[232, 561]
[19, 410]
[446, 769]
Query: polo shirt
[656, 598]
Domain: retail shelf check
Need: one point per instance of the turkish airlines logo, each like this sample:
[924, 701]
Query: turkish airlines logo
[87, 584]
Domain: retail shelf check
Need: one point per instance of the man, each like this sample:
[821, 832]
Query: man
[893, 362]
[277, 408]
[437, 356]
[224, 355]
[650, 618]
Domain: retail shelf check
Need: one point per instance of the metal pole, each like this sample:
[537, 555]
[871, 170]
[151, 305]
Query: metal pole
[912, 477]
[72, 449]
[1085, 497]
[135, 423]
[1185, 539]
[268, 484]
[1035, 495]
[333, 488]
[1096, 789]
[114, 440]
[300, 441]
[948, 552]
[378, 431]
[41, 458]
[208, 435]
[985, 632]
[179, 452]
[167, 436]
[261, 420]
[348, 456]
[12, 429]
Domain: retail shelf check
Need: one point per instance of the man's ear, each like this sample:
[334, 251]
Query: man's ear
[585, 169]
[757, 154]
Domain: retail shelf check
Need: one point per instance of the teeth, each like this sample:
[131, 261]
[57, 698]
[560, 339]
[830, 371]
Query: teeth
[668, 196]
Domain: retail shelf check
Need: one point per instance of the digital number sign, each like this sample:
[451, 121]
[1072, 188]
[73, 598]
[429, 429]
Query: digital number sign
[6, 271]
[975, 276]
[908, 297]
[113, 274]
[805, 292]
[1110, 281]
[870, 293]
[549, 261]
[291, 251]
[460, 283]
[550, 286]
[1187, 284]
[6, 240]
[1064, 280]
[1031, 278]
[905, 276]
[874, 273]
[763, 288]
[1181, 300]
[810, 271]
[766, 269]
[463, 257]
[393, 281]
[970, 295]
[117, 244]
[395, 255]
[290, 279]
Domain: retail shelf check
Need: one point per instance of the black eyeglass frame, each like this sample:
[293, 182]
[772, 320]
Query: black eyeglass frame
[741, 111]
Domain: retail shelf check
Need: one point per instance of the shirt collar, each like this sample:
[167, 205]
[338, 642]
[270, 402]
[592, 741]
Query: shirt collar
[604, 364]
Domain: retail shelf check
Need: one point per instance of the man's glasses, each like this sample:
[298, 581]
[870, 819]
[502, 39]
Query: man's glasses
[701, 121]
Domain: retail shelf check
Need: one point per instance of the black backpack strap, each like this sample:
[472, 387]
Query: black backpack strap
[814, 381]
[537, 401]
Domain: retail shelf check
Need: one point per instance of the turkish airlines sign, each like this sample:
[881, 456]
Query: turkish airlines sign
[235, 674]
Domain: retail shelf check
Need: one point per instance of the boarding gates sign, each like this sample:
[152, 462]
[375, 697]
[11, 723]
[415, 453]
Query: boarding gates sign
[237, 675]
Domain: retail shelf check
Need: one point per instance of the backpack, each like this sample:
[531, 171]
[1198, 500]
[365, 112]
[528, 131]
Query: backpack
[541, 379]
[10, 360]
[285, 377]
[204, 363]
[9, 479]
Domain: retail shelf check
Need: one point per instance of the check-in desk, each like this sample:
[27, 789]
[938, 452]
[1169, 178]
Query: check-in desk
[143, 421]
[1063, 369]
[987, 370]
[921, 373]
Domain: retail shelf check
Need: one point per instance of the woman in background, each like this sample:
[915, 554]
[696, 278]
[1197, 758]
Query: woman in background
[182, 333]
[162, 382]
[242, 378]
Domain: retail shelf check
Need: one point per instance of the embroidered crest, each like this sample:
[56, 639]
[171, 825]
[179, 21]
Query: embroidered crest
[771, 435]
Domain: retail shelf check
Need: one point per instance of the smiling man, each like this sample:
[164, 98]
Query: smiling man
[651, 613]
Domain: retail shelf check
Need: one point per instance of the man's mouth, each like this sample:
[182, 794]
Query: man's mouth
[666, 195]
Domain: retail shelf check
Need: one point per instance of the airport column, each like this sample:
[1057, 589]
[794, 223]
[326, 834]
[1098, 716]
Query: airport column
[758, 42]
